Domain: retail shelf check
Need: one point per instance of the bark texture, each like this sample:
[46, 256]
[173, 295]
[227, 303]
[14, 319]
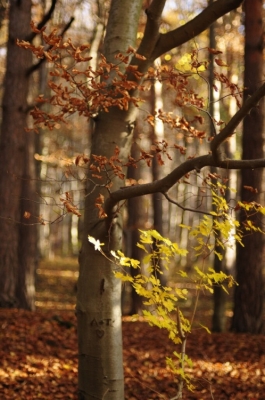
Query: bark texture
[249, 295]
[99, 292]
[135, 222]
[16, 285]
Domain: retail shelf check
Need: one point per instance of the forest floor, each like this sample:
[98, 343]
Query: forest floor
[38, 351]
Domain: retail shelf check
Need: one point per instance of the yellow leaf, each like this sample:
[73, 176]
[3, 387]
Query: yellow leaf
[205, 327]
[141, 246]
[124, 278]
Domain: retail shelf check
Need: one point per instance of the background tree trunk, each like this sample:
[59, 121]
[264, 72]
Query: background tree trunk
[219, 296]
[135, 222]
[28, 237]
[249, 295]
[14, 164]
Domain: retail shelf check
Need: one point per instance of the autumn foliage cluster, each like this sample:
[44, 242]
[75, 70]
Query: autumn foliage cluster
[77, 88]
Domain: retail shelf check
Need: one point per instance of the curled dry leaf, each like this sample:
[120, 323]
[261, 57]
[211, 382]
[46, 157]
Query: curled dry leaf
[220, 62]
[251, 189]
[214, 51]
[100, 199]
[81, 159]
[70, 207]
[41, 220]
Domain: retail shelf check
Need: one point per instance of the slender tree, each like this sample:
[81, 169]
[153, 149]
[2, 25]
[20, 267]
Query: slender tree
[135, 222]
[219, 296]
[249, 295]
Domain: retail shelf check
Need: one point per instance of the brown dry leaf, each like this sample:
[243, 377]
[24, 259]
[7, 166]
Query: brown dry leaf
[38, 352]
[214, 51]
[100, 199]
[251, 189]
[220, 62]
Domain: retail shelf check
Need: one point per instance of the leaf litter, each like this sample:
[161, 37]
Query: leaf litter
[38, 357]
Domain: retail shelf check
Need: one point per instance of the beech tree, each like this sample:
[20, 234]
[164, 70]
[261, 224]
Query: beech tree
[98, 300]
[111, 95]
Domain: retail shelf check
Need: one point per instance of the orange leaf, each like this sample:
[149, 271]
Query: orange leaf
[214, 51]
[220, 62]
[100, 199]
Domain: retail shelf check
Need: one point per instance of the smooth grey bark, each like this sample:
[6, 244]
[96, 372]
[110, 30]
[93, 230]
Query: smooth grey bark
[99, 292]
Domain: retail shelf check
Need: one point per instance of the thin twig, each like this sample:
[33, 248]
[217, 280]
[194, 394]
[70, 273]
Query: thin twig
[183, 353]
[34, 67]
[188, 208]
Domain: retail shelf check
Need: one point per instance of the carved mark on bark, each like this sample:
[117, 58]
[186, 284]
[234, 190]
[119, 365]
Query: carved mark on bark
[130, 127]
[102, 287]
[100, 333]
[105, 321]
[93, 322]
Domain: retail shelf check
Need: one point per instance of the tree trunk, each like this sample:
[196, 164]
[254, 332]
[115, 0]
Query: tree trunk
[135, 222]
[219, 295]
[99, 292]
[28, 237]
[13, 159]
[249, 295]
[157, 135]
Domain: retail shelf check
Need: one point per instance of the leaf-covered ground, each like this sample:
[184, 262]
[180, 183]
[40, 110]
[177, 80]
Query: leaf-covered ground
[38, 358]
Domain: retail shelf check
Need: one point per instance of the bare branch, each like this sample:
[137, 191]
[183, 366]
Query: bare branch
[241, 164]
[251, 102]
[166, 183]
[186, 208]
[161, 185]
[36, 66]
[181, 35]
[154, 44]
[151, 32]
